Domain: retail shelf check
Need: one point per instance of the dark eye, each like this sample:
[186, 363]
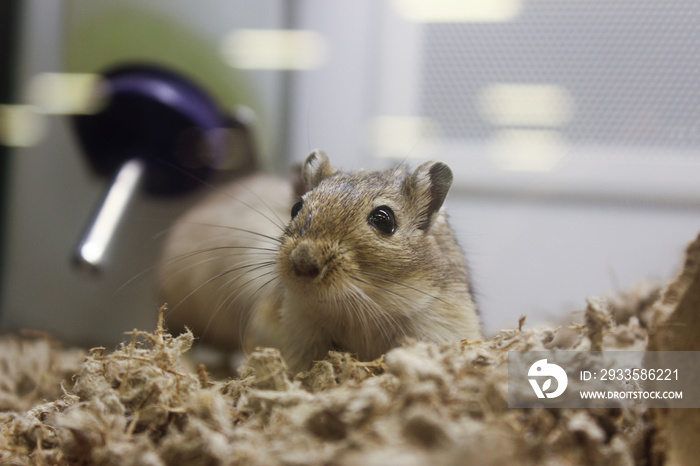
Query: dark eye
[382, 218]
[296, 208]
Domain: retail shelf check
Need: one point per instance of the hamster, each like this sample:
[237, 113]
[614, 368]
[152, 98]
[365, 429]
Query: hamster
[364, 261]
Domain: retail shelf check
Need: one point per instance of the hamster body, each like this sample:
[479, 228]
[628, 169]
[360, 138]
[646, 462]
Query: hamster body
[367, 260]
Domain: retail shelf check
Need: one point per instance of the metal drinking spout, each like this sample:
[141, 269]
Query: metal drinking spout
[93, 249]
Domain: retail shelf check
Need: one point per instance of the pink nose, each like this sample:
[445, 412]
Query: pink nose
[306, 260]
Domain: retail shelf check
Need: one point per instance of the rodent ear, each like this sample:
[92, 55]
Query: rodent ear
[316, 167]
[430, 183]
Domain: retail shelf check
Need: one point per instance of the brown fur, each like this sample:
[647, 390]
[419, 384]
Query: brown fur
[338, 283]
[373, 290]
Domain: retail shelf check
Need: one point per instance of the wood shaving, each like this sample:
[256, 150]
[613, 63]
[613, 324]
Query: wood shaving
[419, 404]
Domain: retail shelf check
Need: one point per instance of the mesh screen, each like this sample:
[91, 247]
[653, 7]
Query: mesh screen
[631, 67]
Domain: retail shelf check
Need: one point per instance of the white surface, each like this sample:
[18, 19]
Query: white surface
[543, 259]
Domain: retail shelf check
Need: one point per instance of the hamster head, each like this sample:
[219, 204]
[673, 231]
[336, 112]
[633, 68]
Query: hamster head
[367, 237]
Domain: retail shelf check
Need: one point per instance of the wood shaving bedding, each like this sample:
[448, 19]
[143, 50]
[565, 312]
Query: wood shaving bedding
[420, 404]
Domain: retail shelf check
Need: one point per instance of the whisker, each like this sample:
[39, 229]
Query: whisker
[242, 287]
[235, 295]
[134, 278]
[187, 255]
[367, 312]
[214, 189]
[181, 257]
[216, 277]
[362, 307]
[228, 227]
[354, 277]
[264, 284]
[418, 290]
[435, 318]
[395, 170]
[245, 319]
[217, 258]
[281, 224]
[365, 317]
[390, 319]
[237, 292]
[379, 311]
[281, 227]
